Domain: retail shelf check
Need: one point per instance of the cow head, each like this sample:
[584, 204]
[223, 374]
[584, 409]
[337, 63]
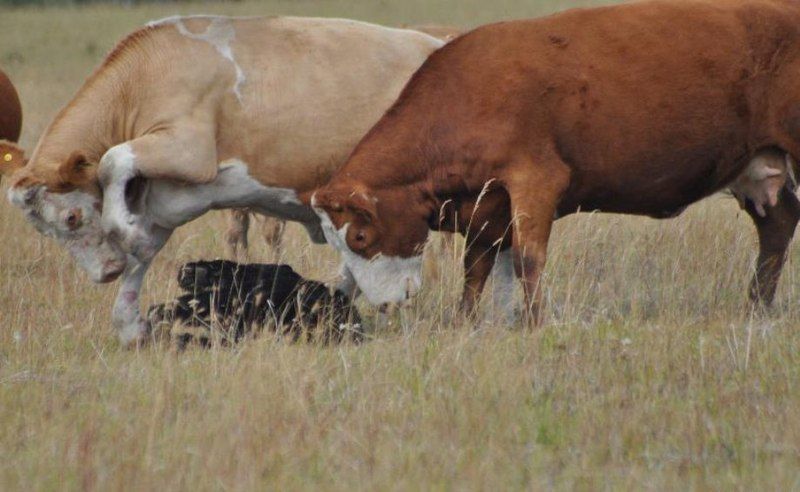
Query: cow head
[380, 235]
[62, 199]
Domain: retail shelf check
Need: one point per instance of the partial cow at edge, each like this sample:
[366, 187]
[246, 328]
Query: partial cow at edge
[12, 156]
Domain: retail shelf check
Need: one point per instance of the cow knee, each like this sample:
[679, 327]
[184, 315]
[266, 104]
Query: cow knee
[117, 166]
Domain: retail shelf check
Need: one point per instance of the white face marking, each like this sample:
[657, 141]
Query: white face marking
[219, 33]
[382, 279]
[49, 213]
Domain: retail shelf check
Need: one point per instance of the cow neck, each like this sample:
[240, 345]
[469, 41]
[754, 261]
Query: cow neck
[93, 122]
[418, 169]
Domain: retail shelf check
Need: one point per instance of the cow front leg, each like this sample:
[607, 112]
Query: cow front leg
[126, 316]
[477, 266]
[532, 218]
[775, 231]
[117, 169]
[183, 154]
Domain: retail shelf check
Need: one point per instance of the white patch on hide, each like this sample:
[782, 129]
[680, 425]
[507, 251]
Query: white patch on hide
[382, 279]
[219, 34]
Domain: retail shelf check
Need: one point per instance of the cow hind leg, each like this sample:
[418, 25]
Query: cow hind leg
[775, 231]
[273, 229]
[236, 235]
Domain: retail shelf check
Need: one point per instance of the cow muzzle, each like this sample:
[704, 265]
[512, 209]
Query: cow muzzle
[103, 262]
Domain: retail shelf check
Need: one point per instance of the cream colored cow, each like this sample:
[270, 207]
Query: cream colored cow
[192, 114]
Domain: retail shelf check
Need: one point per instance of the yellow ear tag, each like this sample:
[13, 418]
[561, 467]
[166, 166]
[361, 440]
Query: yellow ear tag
[8, 157]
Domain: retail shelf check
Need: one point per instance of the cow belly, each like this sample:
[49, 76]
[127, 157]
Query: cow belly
[646, 192]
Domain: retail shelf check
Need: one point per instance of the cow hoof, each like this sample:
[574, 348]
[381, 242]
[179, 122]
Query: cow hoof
[135, 335]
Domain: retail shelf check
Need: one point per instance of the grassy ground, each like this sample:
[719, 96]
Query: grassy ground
[649, 374]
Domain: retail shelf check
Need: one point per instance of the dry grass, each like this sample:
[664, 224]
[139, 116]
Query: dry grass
[650, 373]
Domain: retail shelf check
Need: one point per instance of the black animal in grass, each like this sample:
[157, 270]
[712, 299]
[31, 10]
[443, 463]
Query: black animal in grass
[237, 298]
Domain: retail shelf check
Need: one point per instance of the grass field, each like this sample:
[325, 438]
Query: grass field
[649, 373]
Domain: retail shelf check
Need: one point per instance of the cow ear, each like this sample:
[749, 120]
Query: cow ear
[328, 200]
[11, 158]
[364, 206]
[75, 170]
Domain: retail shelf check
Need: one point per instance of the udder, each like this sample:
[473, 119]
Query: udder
[762, 180]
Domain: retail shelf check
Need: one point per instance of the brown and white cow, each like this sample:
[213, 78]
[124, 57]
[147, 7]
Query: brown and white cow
[641, 109]
[199, 113]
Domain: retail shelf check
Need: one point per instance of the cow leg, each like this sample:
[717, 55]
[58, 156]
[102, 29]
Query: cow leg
[273, 233]
[775, 230]
[236, 235]
[126, 316]
[478, 263]
[183, 155]
[503, 281]
[532, 217]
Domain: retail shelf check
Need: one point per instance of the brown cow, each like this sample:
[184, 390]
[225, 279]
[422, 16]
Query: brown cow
[11, 156]
[640, 109]
[10, 110]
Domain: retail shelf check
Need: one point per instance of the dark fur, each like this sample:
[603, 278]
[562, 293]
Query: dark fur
[238, 298]
[10, 110]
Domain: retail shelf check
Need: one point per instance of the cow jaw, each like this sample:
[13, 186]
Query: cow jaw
[48, 212]
[382, 279]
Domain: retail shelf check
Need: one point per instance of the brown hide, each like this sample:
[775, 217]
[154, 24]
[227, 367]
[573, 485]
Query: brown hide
[10, 110]
[11, 156]
[649, 106]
